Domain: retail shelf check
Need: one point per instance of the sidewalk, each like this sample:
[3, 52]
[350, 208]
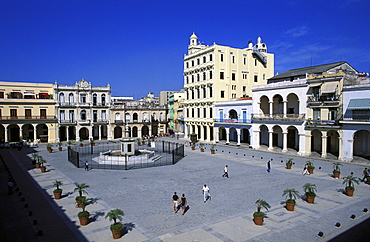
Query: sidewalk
[220, 220]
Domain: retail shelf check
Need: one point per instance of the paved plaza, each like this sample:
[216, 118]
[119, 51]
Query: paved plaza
[145, 197]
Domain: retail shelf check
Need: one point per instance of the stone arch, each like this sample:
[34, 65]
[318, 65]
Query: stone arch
[135, 117]
[28, 132]
[361, 143]
[221, 133]
[134, 131]
[244, 136]
[2, 133]
[316, 141]
[42, 132]
[233, 134]
[233, 114]
[332, 145]
[292, 105]
[84, 133]
[292, 138]
[277, 136]
[278, 105]
[13, 133]
[264, 135]
[264, 106]
[117, 132]
[144, 131]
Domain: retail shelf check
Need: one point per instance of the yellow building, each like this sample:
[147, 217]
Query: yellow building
[219, 73]
[27, 112]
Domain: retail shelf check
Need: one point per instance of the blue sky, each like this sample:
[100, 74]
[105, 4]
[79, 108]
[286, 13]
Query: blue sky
[138, 46]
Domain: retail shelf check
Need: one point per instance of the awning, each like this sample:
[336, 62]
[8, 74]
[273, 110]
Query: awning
[329, 87]
[29, 93]
[359, 104]
[314, 85]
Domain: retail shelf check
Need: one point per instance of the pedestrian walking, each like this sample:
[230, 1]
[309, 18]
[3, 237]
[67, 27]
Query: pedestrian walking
[206, 193]
[175, 200]
[268, 166]
[305, 170]
[226, 174]
[183, 204]
[86, 166]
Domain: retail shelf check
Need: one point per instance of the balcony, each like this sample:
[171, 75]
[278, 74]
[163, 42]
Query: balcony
[69, 104]
[318, 99]
[84, 121]
[298, 118]
[100, 121]
[34, 117]
[28, 95]
[242, 121]
[357, 117]
[64, 121]
[322, 123]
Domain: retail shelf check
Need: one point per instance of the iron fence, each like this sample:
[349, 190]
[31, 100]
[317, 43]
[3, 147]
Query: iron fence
[107, 155]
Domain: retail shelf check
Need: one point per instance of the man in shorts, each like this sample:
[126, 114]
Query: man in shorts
[206, 193]
[175, 200]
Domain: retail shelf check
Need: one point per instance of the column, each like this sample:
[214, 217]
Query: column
[109, 130]
[324, 141]
[6, 135]
[238, 134]
[256, 139]
[217, 136]
[271, 147]
[227, 136]
[21, 134]
[99, 131]
[340, 139]
[67, 132]
[285, 142]
[285, 108]
[271, 109]
[186, 131]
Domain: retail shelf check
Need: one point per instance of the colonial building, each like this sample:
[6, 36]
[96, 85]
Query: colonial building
[27, 112]
[356, 119]
[175, 112]
[83, 111]
[137, 118]
[219, 73]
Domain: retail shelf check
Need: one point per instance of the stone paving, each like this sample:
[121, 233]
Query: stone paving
[145, 197]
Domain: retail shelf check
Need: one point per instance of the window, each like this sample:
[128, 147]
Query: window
[192, 112]
[204, 112]
[192, 93]
[204, 76]
[204, 92]
[255, 62]
[222, 94]
[316, 114]
[233, 76]
[192, 63]
[264, 76]
[198, 61]
[61, 98]
[210, 57]
[210, 75]
[83, 115]
[210, 92]
[233, 87]
[255, 78]
[187, 64]
[210, 113]
[71, 116]
[245, 61]
[233, 95]
[187, 80]
[198, 112]
[1, 94]
[44, 95]
[13, 114]
[204, 59]
[62, 116]
[221, 75]
[95, 116]
[192, 78]
[28, 113]
[233, 59]
[83, 98]
[198, 78]
[222, 57]
[71, 98]
[244, 76]
[95, 99]
[103, 99]
[244, 89]
[43, 113]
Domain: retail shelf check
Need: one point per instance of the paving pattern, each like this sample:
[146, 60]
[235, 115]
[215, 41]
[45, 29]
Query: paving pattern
[145, 197]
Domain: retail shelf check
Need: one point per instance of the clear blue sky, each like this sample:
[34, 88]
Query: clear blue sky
[138, 46]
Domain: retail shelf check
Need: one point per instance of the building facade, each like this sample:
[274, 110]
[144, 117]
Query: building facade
[27, 112]
[219, 73]
[83, 111]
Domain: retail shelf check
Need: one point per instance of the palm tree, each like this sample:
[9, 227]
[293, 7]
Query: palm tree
[34, 156]
[290, 193]
[115, 214]
[336, 166]
[349, 181]
[309, 189]
[84, 202]
[57, 184]
[81, 188]
[262, 204]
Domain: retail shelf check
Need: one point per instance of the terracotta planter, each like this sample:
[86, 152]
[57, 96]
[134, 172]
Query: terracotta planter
[193, 148]
[350, 192]
[60, 148]
[288, 166]
[57, 195]
[213, 152]
[310, 199]
[43, 169]
[37, 165]
[50, 151]
[290, 206]
[117, 234]
[81, 145]
[92, 144]
[201, 150]
[258, 220]
[310, 170]
[84, 221]
[336, 175]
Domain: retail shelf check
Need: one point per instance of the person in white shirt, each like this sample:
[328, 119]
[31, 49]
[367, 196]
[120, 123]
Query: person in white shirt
[206, 193]
[226, 174]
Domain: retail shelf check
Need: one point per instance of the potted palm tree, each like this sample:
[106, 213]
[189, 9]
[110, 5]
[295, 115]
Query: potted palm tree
[138, 141]
[350, 181]
[193, 145]
[35, 157]
[49, 148]
[336, 171]
[311, 167]
[310, 190]
[92, 142]
[212, 149]
[84, 215]
[289, 163]
[38, 163]
[81, 190]
[69, 143]
[291, 195]
[201, 147]
[42, 161]
[258, 216]
[117, 226]
[60, 148]
[57, 191]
